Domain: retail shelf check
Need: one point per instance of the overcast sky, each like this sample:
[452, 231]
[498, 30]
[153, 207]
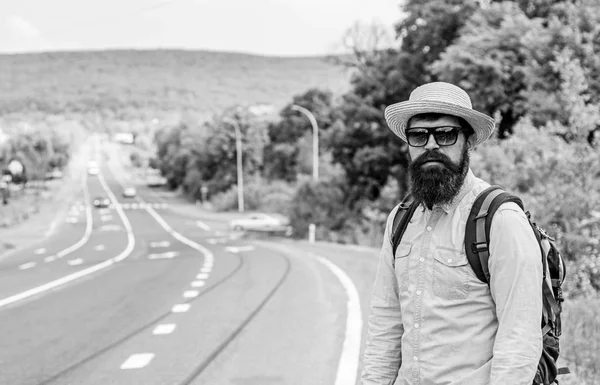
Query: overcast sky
[271, 27]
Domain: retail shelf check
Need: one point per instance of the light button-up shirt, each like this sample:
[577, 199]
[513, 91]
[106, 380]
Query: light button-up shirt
[432, 321]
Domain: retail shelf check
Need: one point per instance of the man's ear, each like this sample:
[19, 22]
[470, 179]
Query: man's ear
[471, 141]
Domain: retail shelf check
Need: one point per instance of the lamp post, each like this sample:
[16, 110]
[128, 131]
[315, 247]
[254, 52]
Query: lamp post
[312, 228]
[240, 177]
[313, 121]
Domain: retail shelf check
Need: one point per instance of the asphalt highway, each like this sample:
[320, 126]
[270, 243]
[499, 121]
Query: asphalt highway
[141, 293]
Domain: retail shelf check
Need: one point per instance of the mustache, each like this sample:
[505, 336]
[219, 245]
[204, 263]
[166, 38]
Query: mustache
[436, 156]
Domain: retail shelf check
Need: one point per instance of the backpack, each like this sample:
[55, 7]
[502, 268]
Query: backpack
[477, 235]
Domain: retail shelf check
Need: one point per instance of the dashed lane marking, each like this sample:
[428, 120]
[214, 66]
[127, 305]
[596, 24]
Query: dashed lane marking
[105, 218]
[237, 249]
[206, 270]
[202, 276]
[137, 361]
[197, 283]
[50, 258]
[167, 255]
[99, 247]
[72, 220]
[75, 262]
[27, 265]
[160, 244]
[181, 308]
[164, 329]
[39, 251]
[203, 225]
[190, 294]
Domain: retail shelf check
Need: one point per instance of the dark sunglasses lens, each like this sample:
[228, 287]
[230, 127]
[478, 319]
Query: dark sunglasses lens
[417, 138]
[446, 136]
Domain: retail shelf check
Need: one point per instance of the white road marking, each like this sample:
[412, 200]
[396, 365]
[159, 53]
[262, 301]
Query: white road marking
[134, 206]
[104, 211]
[167, 255]
[198, 283]
[107, 217]
[190, 294]
[75, 262]
[202, 276]
[27, 265]
[99, 248]
[214, 241]
[90, 270]
[348, 364]
[202, 225]
[72, 220]
[138, 361]
[206, 270]
[50, 258]
[109, 228]
[237, 249]
[164, 329]
[160, 244]
[181, 308]
[39, 251]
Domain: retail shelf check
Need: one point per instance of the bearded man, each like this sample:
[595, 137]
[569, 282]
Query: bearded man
[432, 321]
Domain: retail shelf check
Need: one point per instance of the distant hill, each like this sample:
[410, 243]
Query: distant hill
[115, 82]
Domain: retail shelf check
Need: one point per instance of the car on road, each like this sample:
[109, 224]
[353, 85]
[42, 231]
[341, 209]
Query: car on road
[263, 223]
[129, 192]
[101, 202]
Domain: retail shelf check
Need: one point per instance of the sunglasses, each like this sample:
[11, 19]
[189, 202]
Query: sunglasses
[444, 136]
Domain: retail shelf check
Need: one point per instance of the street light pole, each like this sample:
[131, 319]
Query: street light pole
[313, 121]
[240, 177]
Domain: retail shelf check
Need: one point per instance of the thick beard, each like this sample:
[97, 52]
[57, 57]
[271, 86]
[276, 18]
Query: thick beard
[437, 185]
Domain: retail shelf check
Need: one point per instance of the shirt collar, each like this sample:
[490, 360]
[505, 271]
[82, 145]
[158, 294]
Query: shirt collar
[467, 185]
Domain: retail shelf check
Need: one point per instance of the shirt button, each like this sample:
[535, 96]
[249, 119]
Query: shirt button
[418, 292]
[422, 259]
[416, 326]
[416, 358]
[428, 228]
[450, 260]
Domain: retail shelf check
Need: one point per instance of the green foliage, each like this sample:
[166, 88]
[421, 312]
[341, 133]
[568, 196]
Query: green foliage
[274, 197]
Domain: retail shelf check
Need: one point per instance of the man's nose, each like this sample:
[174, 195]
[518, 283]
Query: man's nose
[431, 143]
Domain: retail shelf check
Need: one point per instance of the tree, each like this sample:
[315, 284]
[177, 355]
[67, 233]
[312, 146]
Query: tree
[364, 147]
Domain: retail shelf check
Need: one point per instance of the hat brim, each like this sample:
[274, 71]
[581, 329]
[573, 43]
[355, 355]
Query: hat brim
[397, 116]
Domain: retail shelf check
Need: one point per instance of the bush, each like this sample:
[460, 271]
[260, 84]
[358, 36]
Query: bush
[559, 183]
[273, 197]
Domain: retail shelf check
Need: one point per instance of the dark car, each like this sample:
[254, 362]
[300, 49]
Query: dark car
[101, 202]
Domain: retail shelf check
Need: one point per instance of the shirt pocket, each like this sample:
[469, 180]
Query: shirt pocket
[401, 265]
[450, 274]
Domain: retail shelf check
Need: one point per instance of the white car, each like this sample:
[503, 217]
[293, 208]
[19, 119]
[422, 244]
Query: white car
[129, 192]
[261, 222]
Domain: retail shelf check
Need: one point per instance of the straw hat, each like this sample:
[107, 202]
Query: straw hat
[442, 98]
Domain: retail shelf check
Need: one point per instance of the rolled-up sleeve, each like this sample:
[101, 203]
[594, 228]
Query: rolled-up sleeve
[516, 287]
[383, 356]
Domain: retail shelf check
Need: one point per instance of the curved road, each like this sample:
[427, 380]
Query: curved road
[147, 295]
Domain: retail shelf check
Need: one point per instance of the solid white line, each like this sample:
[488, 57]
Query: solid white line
[181, 308]
[27, 265]
[203, 225]
[89, 223]
[164, 329]
[349, 359]
[87, 271]
[137, 361]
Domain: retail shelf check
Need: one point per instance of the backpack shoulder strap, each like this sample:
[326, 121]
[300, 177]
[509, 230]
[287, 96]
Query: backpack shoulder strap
[401, 220]
[477, 232]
